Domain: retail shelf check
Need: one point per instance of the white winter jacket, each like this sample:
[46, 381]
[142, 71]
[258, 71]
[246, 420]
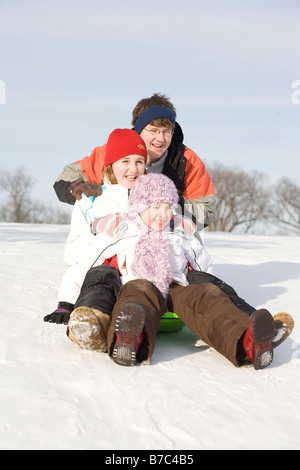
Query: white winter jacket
[114, 199]
[185, 250]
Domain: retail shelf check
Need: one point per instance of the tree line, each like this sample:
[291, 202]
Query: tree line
[19, 205]
[245, 201]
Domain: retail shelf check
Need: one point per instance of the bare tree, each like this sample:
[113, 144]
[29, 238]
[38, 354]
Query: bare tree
[242, 198]
[286, 205]
[20, 207]
[18, 185]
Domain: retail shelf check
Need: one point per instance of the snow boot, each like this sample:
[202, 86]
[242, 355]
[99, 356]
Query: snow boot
[88, 328]
[129, 328]
[257, 341]
[284, 325]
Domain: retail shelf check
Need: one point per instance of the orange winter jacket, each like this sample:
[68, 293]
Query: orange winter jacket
[197, 182]
[182, 165]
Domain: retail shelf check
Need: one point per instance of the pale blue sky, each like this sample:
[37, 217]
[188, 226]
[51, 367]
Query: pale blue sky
[74, 70]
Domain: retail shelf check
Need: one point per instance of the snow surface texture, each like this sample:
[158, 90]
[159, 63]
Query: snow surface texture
[55, 396]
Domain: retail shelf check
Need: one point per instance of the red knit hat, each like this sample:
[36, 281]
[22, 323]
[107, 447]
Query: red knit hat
[124, 142]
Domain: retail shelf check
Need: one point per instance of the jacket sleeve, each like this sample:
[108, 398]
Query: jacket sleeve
[201, 210]
[70, 173]
[88, 169]
[197, 255]
[90, 255]
[80, 233]
[198, 198]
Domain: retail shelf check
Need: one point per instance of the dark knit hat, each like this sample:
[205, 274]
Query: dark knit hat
[149, 114]
[124, 142]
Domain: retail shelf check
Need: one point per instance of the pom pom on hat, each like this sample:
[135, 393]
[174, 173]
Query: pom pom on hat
[151, 189]
[124, 142]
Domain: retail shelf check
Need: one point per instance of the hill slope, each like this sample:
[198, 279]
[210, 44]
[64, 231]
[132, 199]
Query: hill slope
[54, 396]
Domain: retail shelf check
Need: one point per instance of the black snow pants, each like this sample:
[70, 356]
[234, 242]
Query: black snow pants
[100, 289]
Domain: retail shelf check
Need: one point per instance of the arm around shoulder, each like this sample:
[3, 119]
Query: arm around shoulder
[88, 170]
[198, 198]
[63, 185]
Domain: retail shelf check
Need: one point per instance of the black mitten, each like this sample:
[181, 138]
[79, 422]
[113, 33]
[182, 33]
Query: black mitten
[61, 315]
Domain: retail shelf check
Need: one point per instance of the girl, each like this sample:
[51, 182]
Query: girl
[154, 251]
[125, 161]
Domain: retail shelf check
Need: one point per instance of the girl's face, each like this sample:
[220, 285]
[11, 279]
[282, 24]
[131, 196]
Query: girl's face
[158, 216]
[128, 169]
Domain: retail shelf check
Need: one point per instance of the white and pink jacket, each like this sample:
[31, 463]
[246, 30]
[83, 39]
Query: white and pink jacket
[116, 240]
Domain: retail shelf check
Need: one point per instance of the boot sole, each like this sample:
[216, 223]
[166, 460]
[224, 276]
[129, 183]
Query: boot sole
[86, 329]
[129, 325]
[263, 330]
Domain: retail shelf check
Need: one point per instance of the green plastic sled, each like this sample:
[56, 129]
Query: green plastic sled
[169, 323]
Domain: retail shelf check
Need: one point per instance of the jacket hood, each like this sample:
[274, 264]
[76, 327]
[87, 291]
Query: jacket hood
[178, 135]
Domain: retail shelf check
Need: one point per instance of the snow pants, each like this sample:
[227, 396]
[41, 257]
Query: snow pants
[213, 317]
[103, 291]
[205, 308]
[100, 289]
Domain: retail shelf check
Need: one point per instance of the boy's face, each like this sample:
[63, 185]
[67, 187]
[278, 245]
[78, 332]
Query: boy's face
[158, 216]
[157, 140]
[128, 169]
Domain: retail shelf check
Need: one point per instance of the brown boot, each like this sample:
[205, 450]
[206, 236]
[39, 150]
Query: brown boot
[284, 325]
[88, 328]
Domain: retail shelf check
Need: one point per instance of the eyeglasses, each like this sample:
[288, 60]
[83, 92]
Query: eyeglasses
[155, 132]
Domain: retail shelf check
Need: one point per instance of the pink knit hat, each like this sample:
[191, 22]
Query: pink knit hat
[124, 142]
[151, 189]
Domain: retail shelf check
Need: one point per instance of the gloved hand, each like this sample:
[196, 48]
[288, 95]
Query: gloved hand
[61, 315]
[89, 189]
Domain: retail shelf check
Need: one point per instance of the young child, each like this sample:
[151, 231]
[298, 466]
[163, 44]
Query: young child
[125, 161]
[154, 251]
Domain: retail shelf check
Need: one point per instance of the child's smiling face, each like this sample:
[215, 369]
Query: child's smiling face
[158, 216]
[128, 169]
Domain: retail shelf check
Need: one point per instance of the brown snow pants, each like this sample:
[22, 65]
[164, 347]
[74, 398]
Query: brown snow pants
[204, 308]
[147, 294]
[211, 315]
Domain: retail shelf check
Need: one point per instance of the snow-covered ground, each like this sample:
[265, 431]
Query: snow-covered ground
[55, 396]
